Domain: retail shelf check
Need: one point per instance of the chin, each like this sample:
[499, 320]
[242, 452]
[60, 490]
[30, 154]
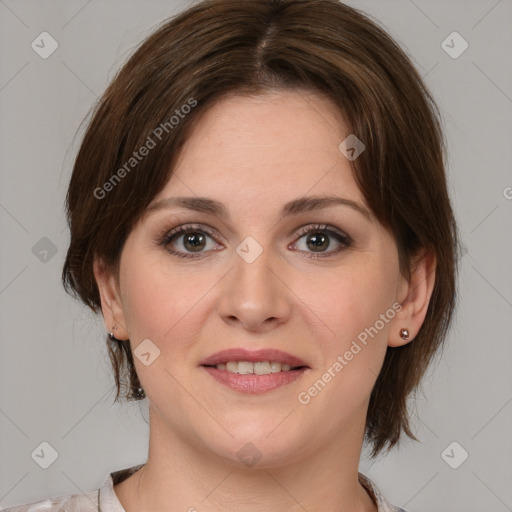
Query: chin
[258, 444]
[259, 455]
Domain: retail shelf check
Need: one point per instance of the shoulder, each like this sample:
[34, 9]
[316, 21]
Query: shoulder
[87, 502]
[383, 505]
[103, 499]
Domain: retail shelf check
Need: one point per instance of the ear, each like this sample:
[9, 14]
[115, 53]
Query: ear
[414, 295]
[111, 305]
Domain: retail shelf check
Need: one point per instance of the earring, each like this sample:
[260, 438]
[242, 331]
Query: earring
[404, 334]
[111, 334]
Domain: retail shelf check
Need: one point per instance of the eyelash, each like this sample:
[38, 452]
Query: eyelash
[167, 237]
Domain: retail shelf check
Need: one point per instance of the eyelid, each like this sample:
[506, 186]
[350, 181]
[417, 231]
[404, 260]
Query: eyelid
[307, 228]
[183, 228]
[304, 230]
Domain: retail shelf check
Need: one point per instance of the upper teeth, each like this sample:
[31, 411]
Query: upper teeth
[259, 368]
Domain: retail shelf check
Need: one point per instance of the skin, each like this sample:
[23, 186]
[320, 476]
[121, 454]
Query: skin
[254, 154]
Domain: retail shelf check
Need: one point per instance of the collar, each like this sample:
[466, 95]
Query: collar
[109, 502]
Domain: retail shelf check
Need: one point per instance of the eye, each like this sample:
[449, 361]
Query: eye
[193, 240]
[318, 240]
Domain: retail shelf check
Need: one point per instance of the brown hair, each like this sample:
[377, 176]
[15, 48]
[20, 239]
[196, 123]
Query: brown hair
[222, 47]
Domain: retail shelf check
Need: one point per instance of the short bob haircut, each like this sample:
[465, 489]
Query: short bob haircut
[219, 48]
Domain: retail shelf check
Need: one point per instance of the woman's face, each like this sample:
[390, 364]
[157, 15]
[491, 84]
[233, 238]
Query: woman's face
[254, 282]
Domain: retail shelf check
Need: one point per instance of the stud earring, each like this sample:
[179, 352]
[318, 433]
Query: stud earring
[404, 334]
[111, 334]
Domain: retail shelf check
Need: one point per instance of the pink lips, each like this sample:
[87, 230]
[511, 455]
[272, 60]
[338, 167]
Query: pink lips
[252, 383]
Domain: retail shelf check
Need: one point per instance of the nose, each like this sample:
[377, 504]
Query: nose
[255, 295]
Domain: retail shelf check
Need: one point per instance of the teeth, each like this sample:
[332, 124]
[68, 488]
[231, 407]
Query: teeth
[275, 367]
[259, 368]
[245, 367]
[231, 366]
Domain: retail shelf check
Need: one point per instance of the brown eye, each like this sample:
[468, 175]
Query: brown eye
[184, 241]
[194, 241]
[318, 239]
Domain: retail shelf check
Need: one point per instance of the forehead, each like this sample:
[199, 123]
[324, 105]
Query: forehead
[265, 150]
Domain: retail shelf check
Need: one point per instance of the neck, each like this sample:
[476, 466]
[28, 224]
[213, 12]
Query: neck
[182, 474]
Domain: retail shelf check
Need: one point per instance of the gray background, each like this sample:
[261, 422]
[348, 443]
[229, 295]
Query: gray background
[55, 382]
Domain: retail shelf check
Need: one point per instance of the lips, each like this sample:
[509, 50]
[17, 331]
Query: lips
[254, 371]
[253, 356]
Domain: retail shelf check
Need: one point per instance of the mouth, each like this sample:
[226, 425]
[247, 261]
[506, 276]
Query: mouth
[254, 371]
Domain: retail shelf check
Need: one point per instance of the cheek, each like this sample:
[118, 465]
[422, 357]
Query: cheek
[353, 345]
[351, 300]
[144, 303]
[154, 298]
[159, 305]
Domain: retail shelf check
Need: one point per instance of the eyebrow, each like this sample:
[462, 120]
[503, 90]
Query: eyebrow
[294, 207]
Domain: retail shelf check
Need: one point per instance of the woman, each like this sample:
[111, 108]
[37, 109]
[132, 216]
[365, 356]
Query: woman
[259, 210]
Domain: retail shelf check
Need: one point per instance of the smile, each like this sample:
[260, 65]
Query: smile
[254, 371]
